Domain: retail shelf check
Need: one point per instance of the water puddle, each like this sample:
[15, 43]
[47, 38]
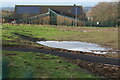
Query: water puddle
[75, 46]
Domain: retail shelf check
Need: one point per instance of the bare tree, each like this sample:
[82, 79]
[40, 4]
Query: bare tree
[118, 20]
[104, 11]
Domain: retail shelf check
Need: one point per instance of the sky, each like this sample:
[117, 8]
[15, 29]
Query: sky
[84, 3]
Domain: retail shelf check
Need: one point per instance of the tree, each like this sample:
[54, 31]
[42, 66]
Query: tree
[104, 12]
[118, 20]
[7, 15]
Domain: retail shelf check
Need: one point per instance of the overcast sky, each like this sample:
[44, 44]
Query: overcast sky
[12, 3]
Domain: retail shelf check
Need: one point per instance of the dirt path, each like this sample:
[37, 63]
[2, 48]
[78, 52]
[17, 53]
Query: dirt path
[84, 57]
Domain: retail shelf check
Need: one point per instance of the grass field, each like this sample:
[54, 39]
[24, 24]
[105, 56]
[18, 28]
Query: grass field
[39, 65]
[104, 36]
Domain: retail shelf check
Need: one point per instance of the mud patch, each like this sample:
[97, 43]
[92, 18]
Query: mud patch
[103, 70]
[30, 38]
[10, 54]
[45, 58]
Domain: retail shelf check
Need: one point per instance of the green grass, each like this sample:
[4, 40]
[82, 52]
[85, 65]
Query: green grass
[30, 65]
[25, 65]
[104, 38]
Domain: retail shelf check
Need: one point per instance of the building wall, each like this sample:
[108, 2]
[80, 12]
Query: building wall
[32, 10]
[28, 10]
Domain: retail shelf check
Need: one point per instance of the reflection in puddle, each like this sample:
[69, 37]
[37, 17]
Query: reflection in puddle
[75, 46]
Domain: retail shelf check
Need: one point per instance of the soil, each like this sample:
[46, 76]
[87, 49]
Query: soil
[85, 29]
[103, 70]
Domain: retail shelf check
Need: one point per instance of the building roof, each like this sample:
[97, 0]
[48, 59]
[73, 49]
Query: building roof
[50, 5]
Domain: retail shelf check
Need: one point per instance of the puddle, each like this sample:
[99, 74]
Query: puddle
[75, 46]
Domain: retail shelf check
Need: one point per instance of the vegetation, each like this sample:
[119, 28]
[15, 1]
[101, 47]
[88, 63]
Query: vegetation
[101, 35]
[31, 64]
[38, 65]
[105, 12]
[18, 64]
